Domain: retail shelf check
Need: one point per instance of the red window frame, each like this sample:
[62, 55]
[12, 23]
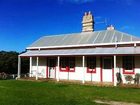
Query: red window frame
[91, 64]
[128, 65]
[67, 64]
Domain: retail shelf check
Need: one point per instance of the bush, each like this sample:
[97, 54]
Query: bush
[3, 76]
[119, 78]
[128, 78]
[9, 61]
[137, 78]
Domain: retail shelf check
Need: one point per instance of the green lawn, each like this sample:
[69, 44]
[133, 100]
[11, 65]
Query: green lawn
[14, 92]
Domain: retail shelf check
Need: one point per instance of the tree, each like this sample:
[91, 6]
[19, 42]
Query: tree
[9, 61]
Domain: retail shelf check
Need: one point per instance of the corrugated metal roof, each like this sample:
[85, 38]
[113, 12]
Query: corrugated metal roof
[83, 51]
[106, 36]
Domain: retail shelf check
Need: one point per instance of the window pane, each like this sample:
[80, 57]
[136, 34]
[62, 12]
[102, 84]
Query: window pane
[107, 63]
[128, 62]
[63, 62]
[68, 63]
[71, 64]
[91, 64]
[52, 62]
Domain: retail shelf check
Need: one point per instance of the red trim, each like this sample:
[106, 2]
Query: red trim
[92, 70]
[67, 70]
[133, 70]
[72, 70]
[101, 72]
[125, 72]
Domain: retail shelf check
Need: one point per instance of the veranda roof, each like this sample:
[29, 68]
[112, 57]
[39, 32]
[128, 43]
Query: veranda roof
[84, 51]
[84, 38]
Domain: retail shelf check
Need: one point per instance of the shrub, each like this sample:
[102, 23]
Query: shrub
[119, 78]
[137, 78]
[3, 76]
[128, 78]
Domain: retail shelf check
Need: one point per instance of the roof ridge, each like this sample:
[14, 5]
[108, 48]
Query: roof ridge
[81, 33]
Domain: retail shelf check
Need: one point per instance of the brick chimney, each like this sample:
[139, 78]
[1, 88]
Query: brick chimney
[88, 22]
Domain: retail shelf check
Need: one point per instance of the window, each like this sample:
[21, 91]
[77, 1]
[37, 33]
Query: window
[107, 63]
[63, 64]
[91, 64]
[52, 62]
[71, 64]
[128, 65]
[67, 64]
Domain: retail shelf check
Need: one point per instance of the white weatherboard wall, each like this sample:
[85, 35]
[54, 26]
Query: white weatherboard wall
[41, 67]
[77, 75]
[120, 67]
[94, 77]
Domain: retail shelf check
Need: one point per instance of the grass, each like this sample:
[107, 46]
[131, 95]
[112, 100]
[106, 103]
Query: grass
[14, 92]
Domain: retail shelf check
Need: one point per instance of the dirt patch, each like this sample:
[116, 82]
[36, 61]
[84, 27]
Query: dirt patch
[114, 102]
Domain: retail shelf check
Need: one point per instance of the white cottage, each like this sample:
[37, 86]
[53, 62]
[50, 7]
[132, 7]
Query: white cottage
[94, 56]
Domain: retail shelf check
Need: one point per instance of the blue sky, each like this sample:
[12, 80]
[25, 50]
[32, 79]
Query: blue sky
[24, 21]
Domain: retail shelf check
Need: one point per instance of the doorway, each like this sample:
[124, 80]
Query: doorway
[107, 71]
[51, 68]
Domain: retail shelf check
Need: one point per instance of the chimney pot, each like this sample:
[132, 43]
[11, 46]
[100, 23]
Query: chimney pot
[89, 13]
[85, 13]
[111, 27]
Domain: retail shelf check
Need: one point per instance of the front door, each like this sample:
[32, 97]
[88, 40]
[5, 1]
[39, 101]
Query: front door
[51, 68]
[107, 69]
